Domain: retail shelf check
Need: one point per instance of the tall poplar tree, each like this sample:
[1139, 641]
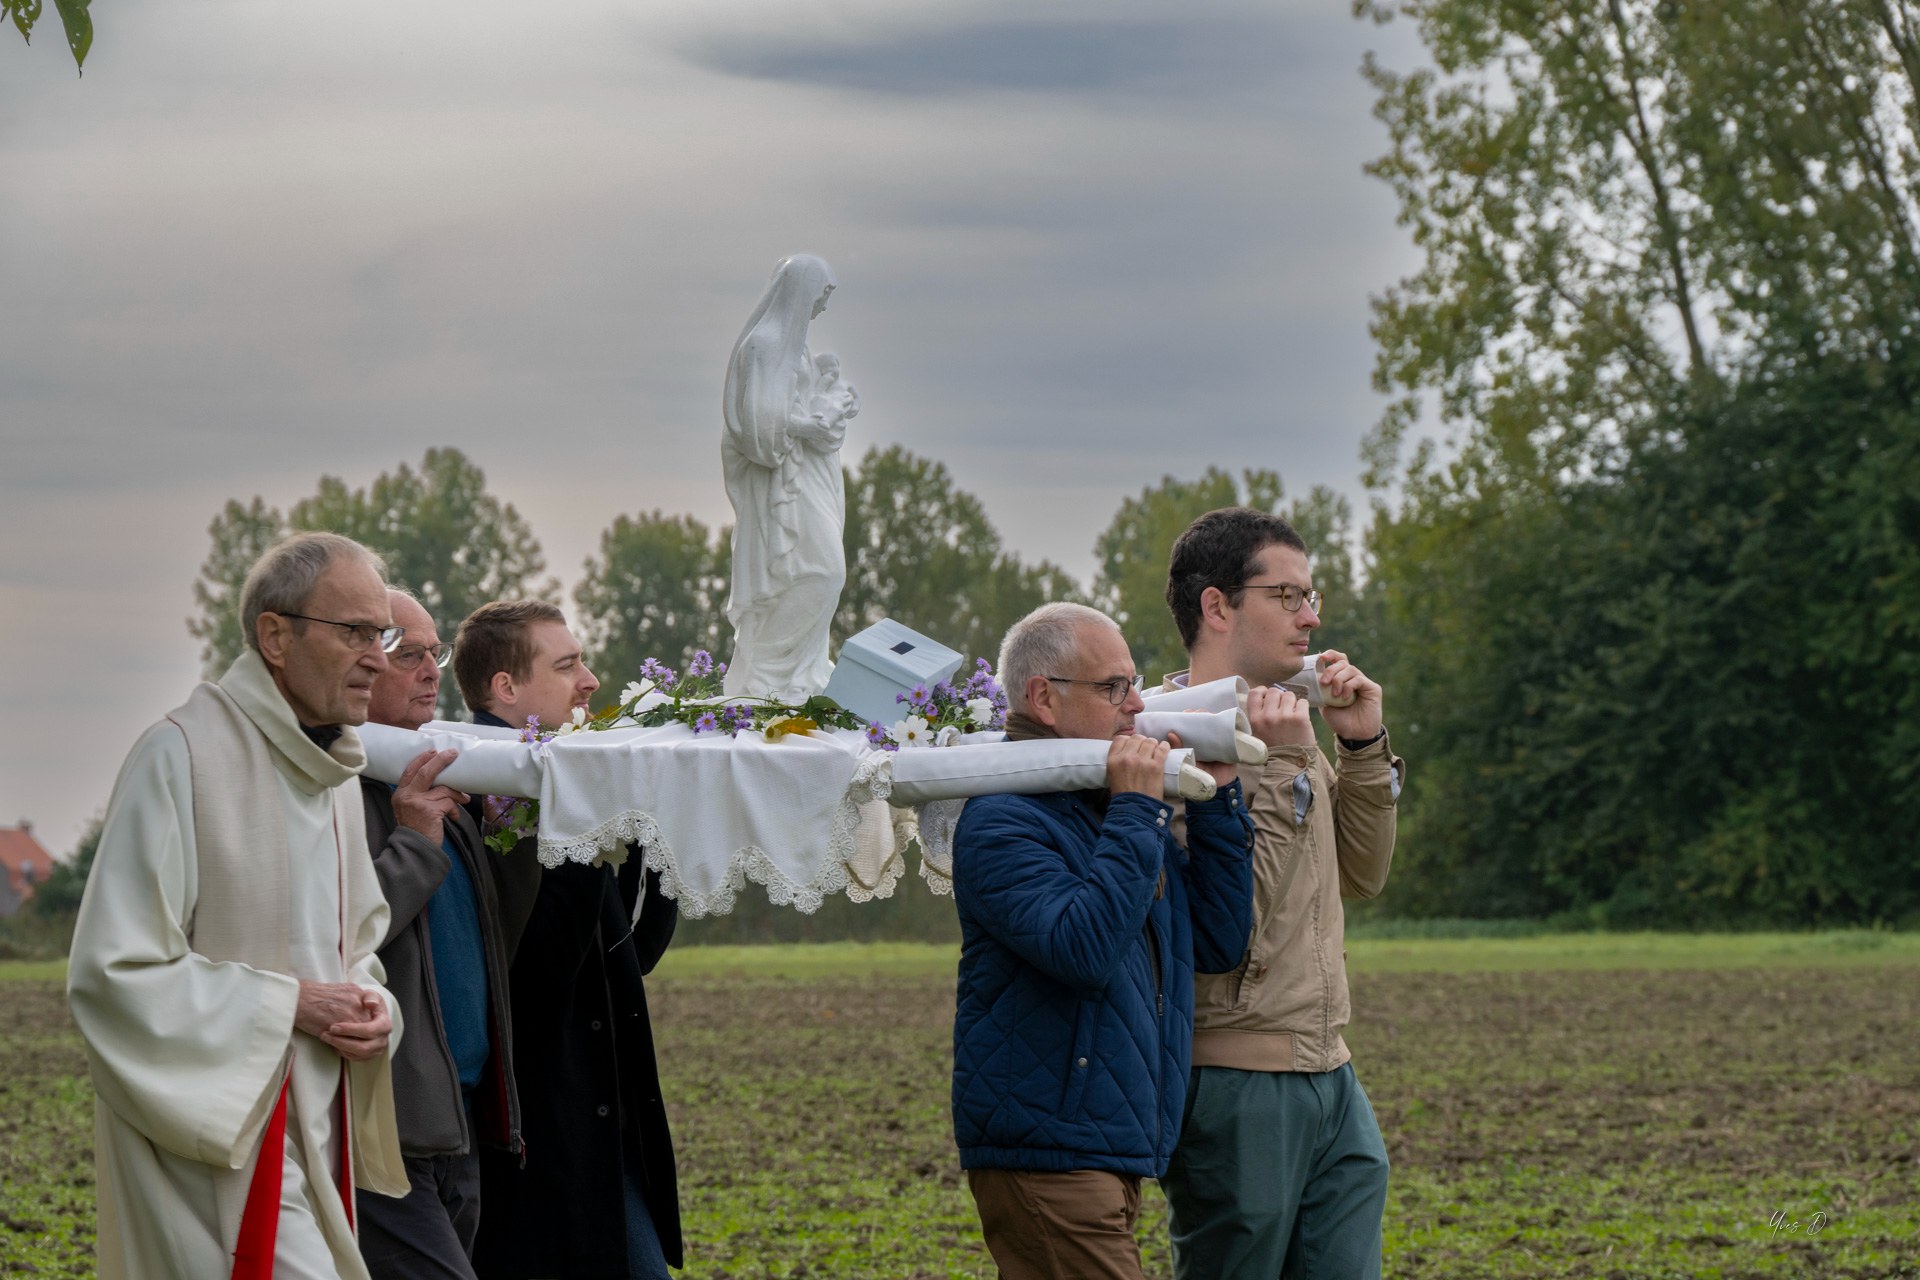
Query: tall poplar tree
[1647, 479]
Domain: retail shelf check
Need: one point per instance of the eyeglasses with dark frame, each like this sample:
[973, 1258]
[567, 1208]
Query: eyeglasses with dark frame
[409, 656]
[1291, 597]
[361, 636]
[1117, 688]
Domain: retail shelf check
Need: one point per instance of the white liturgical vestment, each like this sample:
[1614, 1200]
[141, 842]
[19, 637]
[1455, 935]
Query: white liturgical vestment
[190, 1047]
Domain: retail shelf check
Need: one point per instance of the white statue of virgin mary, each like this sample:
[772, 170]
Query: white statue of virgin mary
[786, 415]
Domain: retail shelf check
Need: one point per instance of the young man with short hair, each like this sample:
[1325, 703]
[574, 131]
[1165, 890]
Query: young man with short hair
[596, 1194]
[1281, 1169]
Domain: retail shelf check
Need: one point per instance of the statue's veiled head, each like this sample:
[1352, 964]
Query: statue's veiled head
[800, 288]
[776, 333]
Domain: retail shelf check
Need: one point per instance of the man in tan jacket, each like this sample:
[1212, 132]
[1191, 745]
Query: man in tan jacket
[1281, 1170]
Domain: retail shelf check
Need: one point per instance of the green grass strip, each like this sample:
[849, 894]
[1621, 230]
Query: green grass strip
[1857, 948]
[33, 970]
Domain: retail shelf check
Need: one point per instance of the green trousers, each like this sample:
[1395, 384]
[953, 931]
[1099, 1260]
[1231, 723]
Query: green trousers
[1278, 1174]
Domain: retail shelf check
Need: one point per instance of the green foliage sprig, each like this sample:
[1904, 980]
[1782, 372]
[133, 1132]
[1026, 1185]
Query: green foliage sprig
[73, 16]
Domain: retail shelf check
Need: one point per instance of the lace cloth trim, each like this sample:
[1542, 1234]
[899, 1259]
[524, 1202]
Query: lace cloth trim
[607, 842]
[938, 820]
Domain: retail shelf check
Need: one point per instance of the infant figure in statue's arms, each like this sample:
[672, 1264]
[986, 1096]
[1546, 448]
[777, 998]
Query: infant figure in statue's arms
[831, 403]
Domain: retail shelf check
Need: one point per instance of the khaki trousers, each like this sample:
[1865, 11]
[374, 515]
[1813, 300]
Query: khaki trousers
[1059, 1226]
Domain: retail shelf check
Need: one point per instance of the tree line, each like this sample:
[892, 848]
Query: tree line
[919, 550]
[1645, 554]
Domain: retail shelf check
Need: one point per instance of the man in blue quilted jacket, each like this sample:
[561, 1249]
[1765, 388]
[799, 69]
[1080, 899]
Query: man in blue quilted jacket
[1082, 922]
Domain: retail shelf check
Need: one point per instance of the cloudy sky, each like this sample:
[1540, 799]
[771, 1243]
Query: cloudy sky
[1081, 244]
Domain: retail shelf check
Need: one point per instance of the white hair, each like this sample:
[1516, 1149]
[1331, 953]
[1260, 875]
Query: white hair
[1041, 644]
[282, 579]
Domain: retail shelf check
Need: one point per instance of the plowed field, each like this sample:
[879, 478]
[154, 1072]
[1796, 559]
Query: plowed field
[1585, 1122]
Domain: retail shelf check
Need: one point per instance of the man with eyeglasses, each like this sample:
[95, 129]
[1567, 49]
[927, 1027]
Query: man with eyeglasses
[1281, 1170]
[1082, 924]
[224, 972]
[446, 956]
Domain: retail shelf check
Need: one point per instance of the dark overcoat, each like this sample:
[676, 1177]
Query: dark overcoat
[590, 1102]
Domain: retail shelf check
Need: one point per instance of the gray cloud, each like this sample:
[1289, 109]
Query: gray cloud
[1197, 55]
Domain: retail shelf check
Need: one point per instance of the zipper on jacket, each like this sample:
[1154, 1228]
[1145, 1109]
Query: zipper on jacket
[440, 1022]
[1153, 954]
[499, 1009]
[1160, 1037]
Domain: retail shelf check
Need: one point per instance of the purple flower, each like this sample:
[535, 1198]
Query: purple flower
[918, 696]
[719, 668]
[707, 723]
[702, 664]
[877, 735]
[529, 734]
[737, 718]
[981, 681]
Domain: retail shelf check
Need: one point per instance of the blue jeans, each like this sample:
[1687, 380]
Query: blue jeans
[645, 1261]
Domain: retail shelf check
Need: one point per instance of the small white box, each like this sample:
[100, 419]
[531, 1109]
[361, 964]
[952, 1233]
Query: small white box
[884, 661]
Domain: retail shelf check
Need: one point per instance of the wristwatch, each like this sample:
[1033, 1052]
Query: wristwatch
[1364, 743]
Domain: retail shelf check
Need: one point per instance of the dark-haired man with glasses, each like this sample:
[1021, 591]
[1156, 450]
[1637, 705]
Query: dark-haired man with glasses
[446, 957]
[1281, 1170]
[1082, 923]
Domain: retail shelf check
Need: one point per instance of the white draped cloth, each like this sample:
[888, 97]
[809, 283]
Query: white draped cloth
[804, 816]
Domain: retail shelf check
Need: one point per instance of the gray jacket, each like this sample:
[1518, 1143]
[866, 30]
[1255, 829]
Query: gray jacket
[426, 1085]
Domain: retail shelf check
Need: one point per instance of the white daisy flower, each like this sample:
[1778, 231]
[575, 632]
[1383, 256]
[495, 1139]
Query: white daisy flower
[913, 732]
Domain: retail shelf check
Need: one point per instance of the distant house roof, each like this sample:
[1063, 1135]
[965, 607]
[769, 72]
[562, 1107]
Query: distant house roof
[23, 863]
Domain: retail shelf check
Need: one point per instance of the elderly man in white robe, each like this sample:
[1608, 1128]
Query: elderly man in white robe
[223, 971]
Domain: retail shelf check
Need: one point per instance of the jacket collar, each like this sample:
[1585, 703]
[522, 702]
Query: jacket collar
[1024, 728]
